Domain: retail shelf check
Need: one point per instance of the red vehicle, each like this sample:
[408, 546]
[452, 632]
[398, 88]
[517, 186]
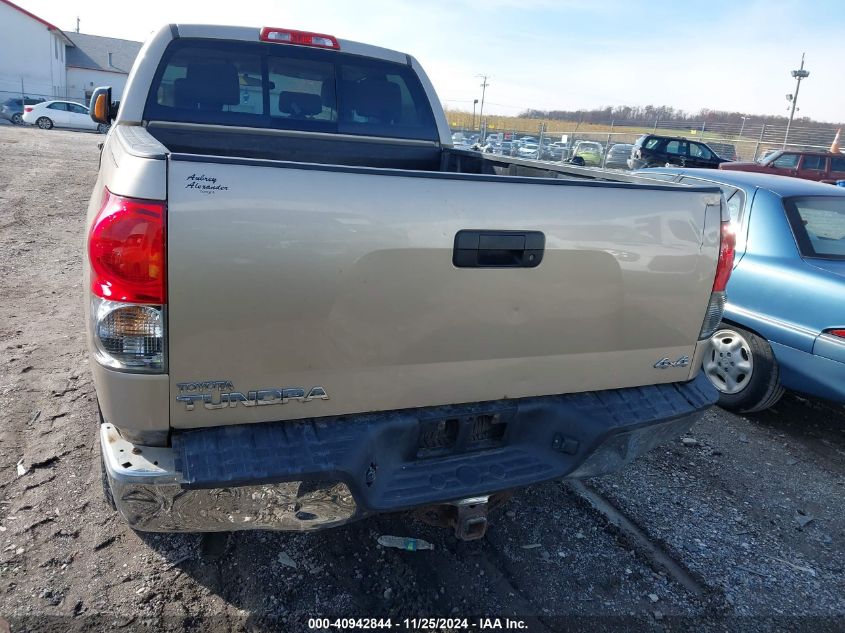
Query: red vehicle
[821, 166]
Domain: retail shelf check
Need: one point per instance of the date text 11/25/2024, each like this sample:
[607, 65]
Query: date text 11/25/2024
[418, 624]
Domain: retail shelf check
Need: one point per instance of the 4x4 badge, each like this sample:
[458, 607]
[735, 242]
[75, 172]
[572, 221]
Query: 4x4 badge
[665, 363]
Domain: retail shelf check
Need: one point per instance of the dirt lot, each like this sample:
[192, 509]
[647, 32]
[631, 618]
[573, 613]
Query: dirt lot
[741, 527]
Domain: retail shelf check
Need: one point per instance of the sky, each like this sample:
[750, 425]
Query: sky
[552, 54]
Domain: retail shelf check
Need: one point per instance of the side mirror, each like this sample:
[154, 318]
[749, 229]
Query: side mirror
[102, 108]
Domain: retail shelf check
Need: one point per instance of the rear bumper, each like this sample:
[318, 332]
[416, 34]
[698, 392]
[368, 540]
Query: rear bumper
[320, 473]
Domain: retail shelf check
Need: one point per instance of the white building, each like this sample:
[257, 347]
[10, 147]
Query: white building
[32, 54]
[38, 60]
[98, 61]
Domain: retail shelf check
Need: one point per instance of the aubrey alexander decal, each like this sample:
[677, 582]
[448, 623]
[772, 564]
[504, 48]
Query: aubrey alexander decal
[203, 183]
[223, 395]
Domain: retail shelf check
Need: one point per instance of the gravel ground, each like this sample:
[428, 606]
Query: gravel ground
[741, 527]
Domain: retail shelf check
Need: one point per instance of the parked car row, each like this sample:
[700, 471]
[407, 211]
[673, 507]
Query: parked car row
[49, 114]
[530, 147]
[658, 151]
[654, 150]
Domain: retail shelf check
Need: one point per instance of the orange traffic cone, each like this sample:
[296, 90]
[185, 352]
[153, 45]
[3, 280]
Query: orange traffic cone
[834, 147]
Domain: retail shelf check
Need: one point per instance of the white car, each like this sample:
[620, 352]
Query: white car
[61, 114]
[529, 150]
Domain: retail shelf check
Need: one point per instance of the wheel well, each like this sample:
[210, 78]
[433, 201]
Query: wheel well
[744, 327]
[753, 331]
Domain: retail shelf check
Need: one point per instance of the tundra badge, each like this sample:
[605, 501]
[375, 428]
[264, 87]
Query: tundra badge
[252, 398]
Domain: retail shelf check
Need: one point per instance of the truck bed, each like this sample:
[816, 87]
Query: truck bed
[290, 146]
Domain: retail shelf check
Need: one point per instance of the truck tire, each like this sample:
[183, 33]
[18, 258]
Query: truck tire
[45, 123]
[742, 366]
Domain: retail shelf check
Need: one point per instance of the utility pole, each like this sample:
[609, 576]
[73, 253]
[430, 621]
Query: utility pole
[742, 127]
[798, 75]
[77, 24]
[474, 103]
[484, 85]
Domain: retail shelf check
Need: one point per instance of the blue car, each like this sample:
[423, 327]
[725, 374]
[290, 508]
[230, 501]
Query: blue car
[784, 324]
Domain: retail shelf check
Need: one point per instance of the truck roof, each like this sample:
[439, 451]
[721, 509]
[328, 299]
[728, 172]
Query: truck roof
[250, 34]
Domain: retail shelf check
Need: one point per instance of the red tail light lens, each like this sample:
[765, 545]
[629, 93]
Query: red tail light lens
[27, 108]
[300, 38]
[126, 250]
[727, 250]
[837, 332]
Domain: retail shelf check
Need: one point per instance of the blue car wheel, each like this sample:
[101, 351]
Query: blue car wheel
[743, 368]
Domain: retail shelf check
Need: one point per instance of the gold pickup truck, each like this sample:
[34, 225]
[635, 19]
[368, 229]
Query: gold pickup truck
[306, 307]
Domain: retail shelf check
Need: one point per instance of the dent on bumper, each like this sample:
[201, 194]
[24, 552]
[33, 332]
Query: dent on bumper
[310, 474]
[147, 493]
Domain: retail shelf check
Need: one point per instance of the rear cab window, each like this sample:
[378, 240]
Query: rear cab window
[266, 85]
[818, 223]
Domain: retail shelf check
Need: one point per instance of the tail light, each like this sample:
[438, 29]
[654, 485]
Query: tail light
[300, 38]
[27, 108]
[727, 251]
[718, 297]
[838, 332]
[126, 252]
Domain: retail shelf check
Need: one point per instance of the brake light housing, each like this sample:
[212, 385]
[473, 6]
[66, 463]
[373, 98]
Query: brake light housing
[718, 295]
[27, 108]
[837, 332]
[298, 38]
[126, 249]
[126, 253]
[727, 252]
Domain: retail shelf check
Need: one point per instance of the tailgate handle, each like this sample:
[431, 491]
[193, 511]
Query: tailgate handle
[498, 249]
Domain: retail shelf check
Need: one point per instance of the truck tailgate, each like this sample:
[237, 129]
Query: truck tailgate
[286, 277]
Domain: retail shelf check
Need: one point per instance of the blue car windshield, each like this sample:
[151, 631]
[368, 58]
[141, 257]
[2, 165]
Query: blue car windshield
[819, 225]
